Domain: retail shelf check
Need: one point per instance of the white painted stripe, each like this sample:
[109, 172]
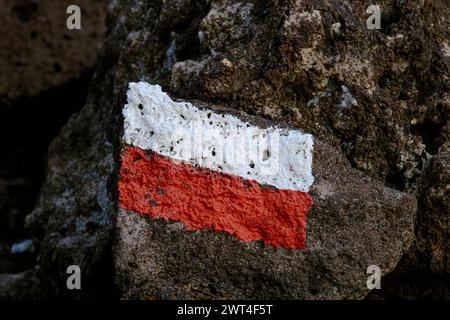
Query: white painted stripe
[274, 156]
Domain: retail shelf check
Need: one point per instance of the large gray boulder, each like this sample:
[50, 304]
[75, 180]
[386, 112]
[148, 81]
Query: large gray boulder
[355, 222]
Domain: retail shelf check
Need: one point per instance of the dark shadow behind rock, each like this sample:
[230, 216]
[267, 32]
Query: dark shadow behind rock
[424, 271]
[46, 70]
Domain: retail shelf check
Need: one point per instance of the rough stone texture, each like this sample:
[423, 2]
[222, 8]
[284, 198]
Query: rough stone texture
[433, 227]
[355, 222]
[424, 270]
[382, 97]
[398, 77]
[39, 52]
[74, 227]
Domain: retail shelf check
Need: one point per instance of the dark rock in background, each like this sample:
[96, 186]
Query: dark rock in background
[380, 96]
[45, 73]
[39, 52]
[26, 129]
[22, 286]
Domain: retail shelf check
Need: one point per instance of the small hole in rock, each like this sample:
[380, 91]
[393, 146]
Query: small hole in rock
[153, 203]
[57, 68]
[25, 12]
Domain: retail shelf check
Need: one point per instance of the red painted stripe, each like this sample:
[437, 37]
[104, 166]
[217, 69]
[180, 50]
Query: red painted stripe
[201, 198]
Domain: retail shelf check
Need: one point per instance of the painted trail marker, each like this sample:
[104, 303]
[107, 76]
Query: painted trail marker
[214, 170]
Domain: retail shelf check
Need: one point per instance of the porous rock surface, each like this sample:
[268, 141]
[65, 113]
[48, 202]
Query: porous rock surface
[379, 96]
